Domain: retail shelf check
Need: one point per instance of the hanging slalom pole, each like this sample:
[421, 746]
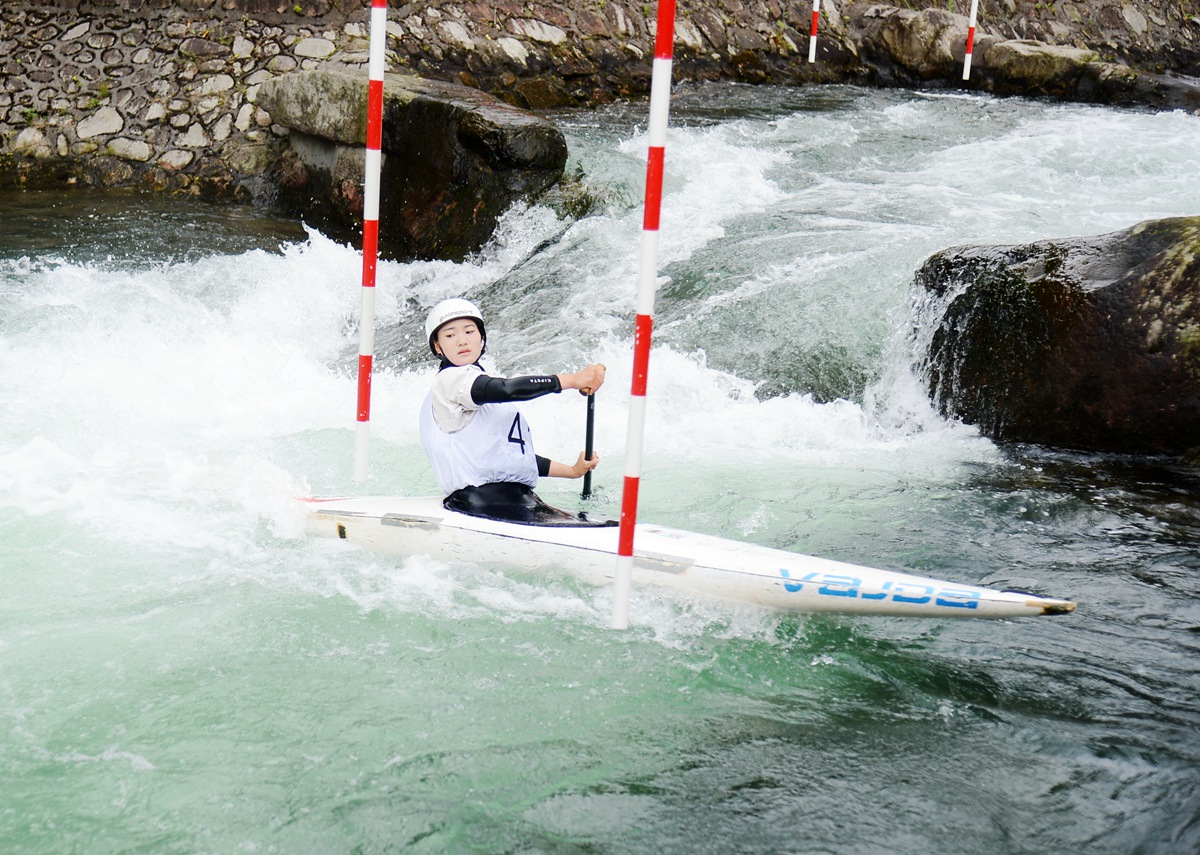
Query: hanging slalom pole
[812, 33]
[970, 40]
[660, 105]
[370, 250]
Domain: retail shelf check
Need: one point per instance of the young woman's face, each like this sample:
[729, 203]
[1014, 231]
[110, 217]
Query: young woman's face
[460, 341]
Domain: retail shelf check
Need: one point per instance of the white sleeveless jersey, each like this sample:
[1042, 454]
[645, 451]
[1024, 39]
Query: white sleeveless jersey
[494, 445]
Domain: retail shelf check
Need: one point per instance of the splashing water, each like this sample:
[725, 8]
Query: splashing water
[182, 669]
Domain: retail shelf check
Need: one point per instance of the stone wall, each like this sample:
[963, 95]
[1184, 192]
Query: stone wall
[153, 94]
[161, 94]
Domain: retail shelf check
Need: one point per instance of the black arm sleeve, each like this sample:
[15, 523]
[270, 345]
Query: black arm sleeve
[543, 465]
[500, 390]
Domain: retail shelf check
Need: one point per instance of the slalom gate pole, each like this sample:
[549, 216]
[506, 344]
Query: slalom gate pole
[970, 40]
[370, 250]
[660, 106]
[812, 33]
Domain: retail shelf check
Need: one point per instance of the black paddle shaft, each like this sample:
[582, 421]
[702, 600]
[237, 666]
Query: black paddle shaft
[589, 435]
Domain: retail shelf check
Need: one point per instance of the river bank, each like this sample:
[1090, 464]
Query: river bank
[161, 94]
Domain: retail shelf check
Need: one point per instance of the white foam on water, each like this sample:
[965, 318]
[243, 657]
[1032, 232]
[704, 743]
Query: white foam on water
[167, 625]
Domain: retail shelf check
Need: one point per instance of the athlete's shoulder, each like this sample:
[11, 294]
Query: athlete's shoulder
[454, 376]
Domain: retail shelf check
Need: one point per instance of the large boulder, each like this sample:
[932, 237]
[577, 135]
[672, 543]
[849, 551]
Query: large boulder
[910, 46]
[1027, 67]
[454, 158]
[1089, 343]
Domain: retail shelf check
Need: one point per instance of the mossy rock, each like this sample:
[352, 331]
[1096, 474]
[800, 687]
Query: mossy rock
[1089, 343]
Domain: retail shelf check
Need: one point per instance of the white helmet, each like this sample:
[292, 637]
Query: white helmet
[451, 310]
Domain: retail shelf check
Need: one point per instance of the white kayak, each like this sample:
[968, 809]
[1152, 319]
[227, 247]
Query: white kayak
[664, 557]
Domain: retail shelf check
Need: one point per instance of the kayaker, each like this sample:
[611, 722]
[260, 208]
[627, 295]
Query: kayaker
[477, 441]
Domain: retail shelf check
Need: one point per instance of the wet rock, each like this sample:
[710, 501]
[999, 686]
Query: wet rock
[104, 121]
[127, 149]
[1034, 68]
[906, 44]
[1115, 84]
[32, 141]
[454, 158]
[1088, 343]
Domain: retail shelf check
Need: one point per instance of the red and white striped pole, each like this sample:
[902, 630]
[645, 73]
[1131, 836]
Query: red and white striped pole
[970, 40]
[660, 105]
[370, 252]
[812, 33]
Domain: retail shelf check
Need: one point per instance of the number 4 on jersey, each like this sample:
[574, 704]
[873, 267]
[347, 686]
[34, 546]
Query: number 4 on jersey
[514, 433]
